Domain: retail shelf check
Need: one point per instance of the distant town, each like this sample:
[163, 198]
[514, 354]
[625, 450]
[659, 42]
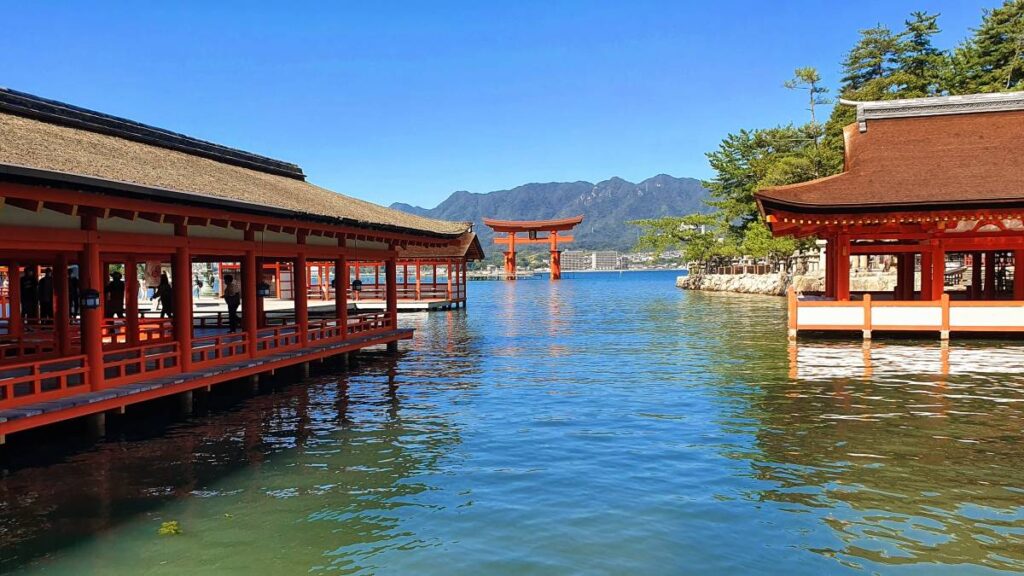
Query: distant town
[596, 261]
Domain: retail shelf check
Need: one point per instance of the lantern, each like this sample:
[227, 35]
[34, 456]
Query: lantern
[90, 299]
[263, 290]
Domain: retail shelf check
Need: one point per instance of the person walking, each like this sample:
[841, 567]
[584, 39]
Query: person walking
[232, 297]
[165, 294]
[74, 292]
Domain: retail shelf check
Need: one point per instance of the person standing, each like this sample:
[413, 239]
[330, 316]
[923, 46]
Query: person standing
[114, 296]
[29, 293]
[232, 297]
[74, 292]
[165, 295]
[46, 295]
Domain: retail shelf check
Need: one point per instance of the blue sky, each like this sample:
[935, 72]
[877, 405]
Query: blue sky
[410, 101]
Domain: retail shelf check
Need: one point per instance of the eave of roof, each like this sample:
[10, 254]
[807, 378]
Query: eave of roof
[537, 225]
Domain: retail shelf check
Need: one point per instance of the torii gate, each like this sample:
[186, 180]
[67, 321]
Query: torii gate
[532, 227]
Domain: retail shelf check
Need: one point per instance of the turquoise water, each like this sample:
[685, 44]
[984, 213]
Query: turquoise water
[606, 424]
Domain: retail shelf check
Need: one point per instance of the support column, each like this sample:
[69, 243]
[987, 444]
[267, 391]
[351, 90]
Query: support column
[926, 275]
[131, 296]
[843, 268]
[938, 271]
[418, 279]
[390, 276]
[1018, 275]
[905, 276]
[990, 275]
[301, 293]
[448, 278]
[91, 277]
[830, 267]
[62, 312]
[250, 298]
[510, 256]
[15, 324]
[376, 275]
[182, 288]
[556, 256]
[341, 293]
[976, 287]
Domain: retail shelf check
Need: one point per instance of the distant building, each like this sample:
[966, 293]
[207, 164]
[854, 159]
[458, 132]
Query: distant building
[576, 260]
[605, 260]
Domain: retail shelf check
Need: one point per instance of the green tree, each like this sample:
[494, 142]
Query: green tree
[695, 234]
[992, 60]
[758, 242]
[808, 79]
[921, 68]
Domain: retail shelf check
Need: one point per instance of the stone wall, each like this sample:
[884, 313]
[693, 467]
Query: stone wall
[778, 284]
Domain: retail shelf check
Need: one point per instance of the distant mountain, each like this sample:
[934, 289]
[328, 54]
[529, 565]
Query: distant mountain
[607, 207]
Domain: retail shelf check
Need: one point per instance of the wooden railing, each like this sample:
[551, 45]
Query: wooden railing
[29, 382]
[33, 344]
[361, 323]
[278, 338]
[211, 350]
[941, 316]
[115, 330]
[132, 364]
[325, 330]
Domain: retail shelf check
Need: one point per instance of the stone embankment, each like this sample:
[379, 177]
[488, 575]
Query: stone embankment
[777, 284]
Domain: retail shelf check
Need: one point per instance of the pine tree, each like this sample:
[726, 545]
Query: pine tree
[992, 60]
[920, 67]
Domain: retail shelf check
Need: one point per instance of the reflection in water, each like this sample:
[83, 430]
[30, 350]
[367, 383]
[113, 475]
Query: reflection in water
[545, 431]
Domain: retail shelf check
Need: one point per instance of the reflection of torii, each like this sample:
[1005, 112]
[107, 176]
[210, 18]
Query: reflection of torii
[532, 227]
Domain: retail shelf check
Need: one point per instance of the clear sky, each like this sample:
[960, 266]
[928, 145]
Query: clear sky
[410, 101]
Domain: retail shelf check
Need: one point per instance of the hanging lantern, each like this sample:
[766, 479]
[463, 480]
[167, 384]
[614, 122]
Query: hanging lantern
[90, 299]
[263, 290]
[533, 234]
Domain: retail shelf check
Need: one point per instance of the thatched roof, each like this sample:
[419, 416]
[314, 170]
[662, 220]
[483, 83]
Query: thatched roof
[78, 142]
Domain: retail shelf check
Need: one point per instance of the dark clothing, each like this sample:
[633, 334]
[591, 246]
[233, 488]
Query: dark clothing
[357, 285]
[114, 299]
[74, 296]
[46, 297]
[233, 299]
[165, 294]
[29, 297]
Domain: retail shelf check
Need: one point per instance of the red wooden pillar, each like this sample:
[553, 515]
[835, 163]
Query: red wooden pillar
[182, 287]
[926, 275]
[418, 289]
[15, 324]
[1018, 275]
[448, 277]
[251, 277]
[938, 271]
[131, 295]
[990, 275]
[92, 278]
[843, 268]
[301, 293]
[341, 293]
[390, 276]
[62, 313]
[556, 256]
[462, 279]
[510, 256]
[830, 267]
[976, 287]
[376, 275]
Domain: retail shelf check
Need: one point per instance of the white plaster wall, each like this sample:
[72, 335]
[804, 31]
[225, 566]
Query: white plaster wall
[986, 316]
[138, 226]
[908, 316]
[216, 232]
[830, 316]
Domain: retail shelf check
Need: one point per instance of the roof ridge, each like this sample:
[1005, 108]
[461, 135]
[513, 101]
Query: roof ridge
[936, 106]
[56, 112]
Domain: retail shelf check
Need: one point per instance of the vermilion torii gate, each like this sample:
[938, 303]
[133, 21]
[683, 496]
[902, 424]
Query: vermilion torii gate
[532, 227]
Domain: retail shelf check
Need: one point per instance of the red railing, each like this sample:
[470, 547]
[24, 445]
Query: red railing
[115, 330]
[277, 338]
[42, 380]
[132, 364]
[324, 330]
[218, 349]
[39, 344]
[368, 322]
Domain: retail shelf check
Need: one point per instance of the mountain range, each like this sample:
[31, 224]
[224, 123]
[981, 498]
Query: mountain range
[607, 207]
